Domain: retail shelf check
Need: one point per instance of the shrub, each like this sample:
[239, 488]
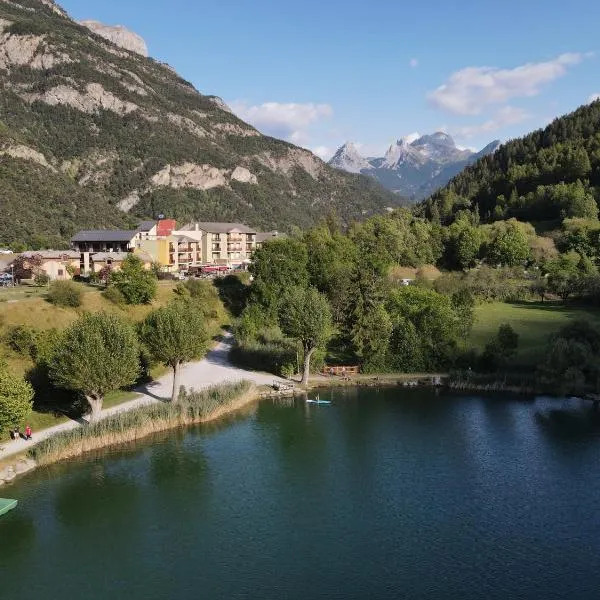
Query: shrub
[64, 293]
[22, 339]
[114, 295]
[41, 279]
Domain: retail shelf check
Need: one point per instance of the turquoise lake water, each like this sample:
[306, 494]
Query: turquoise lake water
[384, 494]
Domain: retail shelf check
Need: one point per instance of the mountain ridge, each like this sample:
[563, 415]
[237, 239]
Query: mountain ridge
[414, 167]
[93, 134]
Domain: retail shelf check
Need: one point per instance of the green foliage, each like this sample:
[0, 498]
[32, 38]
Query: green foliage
[278, 265]
[502, 348]
[136, 284]
[429, 320]
[305, 316]
[22, 339]
[234, 292]
[509, 243]
[571, 363]
[175, 334]
[64, 293]
[98, 354]
[372, 339]
[547, 175]
[41, 279]
[113, 294]
[16, 400]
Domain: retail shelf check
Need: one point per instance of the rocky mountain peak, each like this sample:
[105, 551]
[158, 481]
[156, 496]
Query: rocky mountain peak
[118, 35]
[348, 158]
[415, 165]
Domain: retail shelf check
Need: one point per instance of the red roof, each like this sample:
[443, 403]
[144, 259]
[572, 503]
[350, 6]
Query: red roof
[165, 227]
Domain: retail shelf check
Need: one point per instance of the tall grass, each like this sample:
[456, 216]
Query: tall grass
[193, 407]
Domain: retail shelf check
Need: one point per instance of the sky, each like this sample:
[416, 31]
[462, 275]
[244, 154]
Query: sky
[320, 73]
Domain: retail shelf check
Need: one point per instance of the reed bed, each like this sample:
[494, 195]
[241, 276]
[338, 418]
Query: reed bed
[132, 425]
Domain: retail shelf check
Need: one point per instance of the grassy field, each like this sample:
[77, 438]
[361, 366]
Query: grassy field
[533, 321]
[27, 305]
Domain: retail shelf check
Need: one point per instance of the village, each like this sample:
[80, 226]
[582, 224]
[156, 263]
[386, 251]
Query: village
[200, 249]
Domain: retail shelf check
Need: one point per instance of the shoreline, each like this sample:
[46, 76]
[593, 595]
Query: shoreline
[25, 463]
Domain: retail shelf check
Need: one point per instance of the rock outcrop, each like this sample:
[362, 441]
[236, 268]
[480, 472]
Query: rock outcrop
[119, 36]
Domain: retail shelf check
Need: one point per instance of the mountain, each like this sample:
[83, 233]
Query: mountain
[95, 134]
[545, 176]
[412, 167]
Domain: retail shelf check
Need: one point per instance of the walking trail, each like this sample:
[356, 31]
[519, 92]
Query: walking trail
[215, 369]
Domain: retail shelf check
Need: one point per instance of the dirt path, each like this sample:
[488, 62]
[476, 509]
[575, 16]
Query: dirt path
[215, 369]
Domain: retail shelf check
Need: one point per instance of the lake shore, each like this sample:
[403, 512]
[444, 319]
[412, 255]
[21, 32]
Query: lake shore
[132, 426]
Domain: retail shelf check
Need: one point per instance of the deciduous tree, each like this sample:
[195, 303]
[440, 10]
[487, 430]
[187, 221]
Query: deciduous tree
[98, 354]
[306, 316]
[175, 334]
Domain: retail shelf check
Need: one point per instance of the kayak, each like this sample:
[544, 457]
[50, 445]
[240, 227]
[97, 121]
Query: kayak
[318, 401]
[6, 505]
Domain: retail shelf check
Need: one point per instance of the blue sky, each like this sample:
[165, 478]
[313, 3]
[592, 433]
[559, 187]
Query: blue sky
[322, 72]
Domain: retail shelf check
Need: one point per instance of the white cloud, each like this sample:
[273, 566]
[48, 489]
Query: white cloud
[323, 152]
[470, 90]
[411, 137]
[509, 115]
[283, 120]
[413, 62]
[593, 98]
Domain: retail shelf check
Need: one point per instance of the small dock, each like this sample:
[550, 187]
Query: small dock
[6, 505]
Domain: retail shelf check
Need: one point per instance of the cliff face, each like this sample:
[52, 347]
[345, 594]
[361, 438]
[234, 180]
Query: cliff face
[118, 35]
[94, 133]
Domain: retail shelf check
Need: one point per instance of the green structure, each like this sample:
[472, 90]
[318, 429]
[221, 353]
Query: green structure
[6, 505]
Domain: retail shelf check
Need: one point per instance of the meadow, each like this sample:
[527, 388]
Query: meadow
[533, 321]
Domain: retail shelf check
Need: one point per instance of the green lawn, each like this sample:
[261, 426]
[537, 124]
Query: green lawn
[534, 322]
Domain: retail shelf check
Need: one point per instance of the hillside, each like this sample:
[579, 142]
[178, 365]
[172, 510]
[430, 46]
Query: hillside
[413, 167]
[546, 176]
[93, 134]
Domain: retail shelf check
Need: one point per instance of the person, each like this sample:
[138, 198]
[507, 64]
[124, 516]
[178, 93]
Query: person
[16, 434]
[28, 432]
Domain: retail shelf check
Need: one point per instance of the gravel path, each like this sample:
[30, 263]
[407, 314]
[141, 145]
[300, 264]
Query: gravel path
[215, 369]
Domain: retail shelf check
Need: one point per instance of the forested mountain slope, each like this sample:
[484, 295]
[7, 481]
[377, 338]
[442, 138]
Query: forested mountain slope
[92, 134]
[548, 175]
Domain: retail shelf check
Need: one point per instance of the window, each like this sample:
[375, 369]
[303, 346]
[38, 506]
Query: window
[61, 272]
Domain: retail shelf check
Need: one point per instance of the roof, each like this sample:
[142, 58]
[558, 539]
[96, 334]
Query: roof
[218, 227]
[269, 235]
[105, 235]
[146, 225]
[185, 238]
[53, 254]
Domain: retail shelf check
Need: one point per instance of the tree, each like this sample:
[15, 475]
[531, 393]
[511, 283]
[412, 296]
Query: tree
[306, 316]
[372, 337]
[279, 264]
[137, 284]
[431, 321]
[502, 348]
[175, 334]
[98, 354]
[570, 364]
[509, 243]
[16, 399]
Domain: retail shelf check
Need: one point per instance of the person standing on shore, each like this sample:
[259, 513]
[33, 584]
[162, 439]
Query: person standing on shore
[28, 432]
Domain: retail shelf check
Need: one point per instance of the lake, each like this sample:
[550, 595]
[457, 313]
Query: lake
[385, 493]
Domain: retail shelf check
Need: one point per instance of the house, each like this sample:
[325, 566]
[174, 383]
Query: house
[57, 264]
[230, 244]
[114, 260]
